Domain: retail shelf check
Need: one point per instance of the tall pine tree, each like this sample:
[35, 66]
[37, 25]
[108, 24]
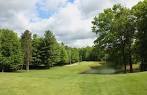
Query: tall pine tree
[27, 47]
[50, 51]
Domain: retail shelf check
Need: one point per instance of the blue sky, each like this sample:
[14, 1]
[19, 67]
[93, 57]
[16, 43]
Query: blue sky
[69, 20]
[43, 13]
[71, 1]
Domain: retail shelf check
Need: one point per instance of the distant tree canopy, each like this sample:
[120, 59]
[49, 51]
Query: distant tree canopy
[64, 58]
[90, 54]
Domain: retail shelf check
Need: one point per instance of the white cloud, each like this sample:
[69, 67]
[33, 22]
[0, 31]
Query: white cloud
[92, 7]
[71, 22]
[68, 25]
[52, 5]
[128, 3]
[16, 14]
[82, 42]
[17, 5]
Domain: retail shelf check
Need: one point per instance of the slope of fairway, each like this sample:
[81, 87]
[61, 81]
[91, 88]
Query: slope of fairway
[67, 80]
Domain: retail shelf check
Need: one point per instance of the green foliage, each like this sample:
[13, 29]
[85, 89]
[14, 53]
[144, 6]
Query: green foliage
[36, 46]
[47, 51]
[50, 50]
[97, 54]
[10, 50]
[91, 54]
[26, 41]
[63, 55]
[115, 29]
[140, 11]
[85, 53]
[122, 34]
[74, 55]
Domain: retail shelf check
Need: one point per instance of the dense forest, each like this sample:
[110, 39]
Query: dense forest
[33, 51]
[121, 41]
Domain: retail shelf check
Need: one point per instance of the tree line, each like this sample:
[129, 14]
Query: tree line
[33, 51]
[122, 35]
[121, 41]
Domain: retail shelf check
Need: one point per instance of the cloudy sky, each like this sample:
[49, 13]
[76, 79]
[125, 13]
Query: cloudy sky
[69, 20]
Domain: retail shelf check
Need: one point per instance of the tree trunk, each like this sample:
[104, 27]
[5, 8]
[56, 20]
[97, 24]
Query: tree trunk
[130, 63]
[143, 65]
[124, 62]
[27, 66]
[125, 68]
[3, 69]
[130, 59]
[21, 67]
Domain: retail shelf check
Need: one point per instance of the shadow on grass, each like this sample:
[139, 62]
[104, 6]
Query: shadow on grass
[105, 69]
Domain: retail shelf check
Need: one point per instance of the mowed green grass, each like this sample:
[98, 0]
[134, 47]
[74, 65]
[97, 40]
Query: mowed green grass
[67, 80]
